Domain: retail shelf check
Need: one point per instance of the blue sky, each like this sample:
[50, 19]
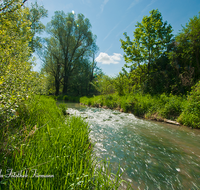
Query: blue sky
[111, 18]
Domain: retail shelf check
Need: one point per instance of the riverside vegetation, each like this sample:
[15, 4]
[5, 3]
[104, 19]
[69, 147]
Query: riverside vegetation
[185, 110]
[163, 81]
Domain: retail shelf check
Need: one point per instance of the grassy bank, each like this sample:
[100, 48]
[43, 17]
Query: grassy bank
[185, 110]
[43, 149]
[146, 106]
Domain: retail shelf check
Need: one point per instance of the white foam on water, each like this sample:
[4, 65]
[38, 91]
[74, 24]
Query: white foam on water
[146, 151]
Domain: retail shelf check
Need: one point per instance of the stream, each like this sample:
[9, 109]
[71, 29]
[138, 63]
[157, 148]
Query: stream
[152, 155]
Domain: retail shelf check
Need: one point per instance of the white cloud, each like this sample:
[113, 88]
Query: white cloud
[104, 58]
[73, 12]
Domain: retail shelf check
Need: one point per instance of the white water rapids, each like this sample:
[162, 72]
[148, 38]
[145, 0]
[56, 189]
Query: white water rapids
[152, 155]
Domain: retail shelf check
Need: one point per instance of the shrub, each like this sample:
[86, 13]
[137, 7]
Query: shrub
[173, 107]
[191, 112]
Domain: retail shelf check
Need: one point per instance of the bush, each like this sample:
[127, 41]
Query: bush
[108, 101]
[191, 112]
[54, 97]
[173, 107]
[17, 80]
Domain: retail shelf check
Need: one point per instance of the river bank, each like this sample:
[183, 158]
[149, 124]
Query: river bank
[153, 117]
[178, 110]
[45, 148]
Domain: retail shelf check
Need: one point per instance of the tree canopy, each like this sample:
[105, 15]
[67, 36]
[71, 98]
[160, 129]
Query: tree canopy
[67, 50]
[151, 38]
[186, 54]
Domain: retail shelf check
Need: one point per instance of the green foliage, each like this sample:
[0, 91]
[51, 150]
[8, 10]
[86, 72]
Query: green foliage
[184, 57]
[73, 99]
[120, 84]
[155, 107]
[191, 113]
[83, 77]
[65, 98]
[160, 64]
[51, 144]
[171, 106]
[68, 52]
[146, 52]
[188, 51]
[17, 81]
[35, 14]
[59, 97]
[63, 108]
[85, 100]
[104, 84]
[52, 63]
[150, 40]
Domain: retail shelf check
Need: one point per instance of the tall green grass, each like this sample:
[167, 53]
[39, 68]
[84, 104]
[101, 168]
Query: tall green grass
[142, 105]
[46, 150]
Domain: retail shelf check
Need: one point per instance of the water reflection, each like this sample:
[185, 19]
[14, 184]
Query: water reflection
[153, 155]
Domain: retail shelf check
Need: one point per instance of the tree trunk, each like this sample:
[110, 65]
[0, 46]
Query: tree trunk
[66, 76]
[57, 86]
[65, 86]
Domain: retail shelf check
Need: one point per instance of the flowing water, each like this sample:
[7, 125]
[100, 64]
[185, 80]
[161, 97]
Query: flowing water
[152, 155]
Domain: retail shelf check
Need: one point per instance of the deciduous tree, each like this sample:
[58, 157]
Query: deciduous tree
[151, 38]
[187, 52]
[74, 38]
